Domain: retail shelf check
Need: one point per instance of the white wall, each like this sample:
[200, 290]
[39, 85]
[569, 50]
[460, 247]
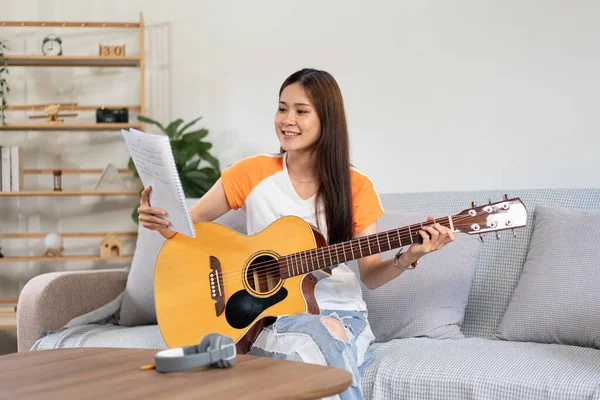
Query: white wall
[440, 95]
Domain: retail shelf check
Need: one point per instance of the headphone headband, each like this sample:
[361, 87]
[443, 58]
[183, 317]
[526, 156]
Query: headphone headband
[214, 349]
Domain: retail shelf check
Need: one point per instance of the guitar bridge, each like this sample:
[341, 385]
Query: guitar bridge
[216, 285]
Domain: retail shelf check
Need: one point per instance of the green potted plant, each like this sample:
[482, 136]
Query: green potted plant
[198, 169]
[4, 89]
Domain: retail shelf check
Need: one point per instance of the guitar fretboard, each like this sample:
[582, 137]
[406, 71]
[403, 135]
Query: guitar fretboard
[327, 256]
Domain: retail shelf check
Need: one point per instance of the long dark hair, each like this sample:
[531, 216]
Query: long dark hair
[332, 151]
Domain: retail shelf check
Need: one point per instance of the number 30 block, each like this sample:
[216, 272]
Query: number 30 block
[112, 51]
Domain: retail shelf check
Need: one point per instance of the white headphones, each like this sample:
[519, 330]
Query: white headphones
[214, 349]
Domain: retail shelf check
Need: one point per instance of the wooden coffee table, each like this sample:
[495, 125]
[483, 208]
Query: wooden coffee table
[115, 374]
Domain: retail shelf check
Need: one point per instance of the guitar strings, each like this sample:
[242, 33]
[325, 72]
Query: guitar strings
[265, 267]
[297, 265]
[365, 245]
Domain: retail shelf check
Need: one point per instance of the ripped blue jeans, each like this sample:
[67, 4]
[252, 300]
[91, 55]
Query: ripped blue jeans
[304, 337]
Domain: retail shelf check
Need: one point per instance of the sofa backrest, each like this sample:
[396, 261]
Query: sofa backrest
[501, 260]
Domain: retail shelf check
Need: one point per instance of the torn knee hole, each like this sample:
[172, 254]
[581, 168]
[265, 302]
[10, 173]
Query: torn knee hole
[335, 327]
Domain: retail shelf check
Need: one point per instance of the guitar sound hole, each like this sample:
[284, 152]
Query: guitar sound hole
[263, 274]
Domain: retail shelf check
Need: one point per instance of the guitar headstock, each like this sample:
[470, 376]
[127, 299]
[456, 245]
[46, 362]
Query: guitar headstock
[492, 217]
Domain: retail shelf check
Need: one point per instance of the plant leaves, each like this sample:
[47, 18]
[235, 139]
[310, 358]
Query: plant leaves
[195, 136]
[204, 178]
[132, 168]
[201, 147]
[190, 188]
[197, 174]
[151, 121]
[192, 165]
[171, 129]
[180, 133]
[211, 172]
[211, 160]
[182, 152]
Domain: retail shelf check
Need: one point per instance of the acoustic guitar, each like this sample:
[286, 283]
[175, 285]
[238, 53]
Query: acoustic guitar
[226, 282]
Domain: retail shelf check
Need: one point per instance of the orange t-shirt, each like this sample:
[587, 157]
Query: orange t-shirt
[262, 187]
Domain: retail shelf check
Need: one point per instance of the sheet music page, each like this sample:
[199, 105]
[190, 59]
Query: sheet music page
[153, 159]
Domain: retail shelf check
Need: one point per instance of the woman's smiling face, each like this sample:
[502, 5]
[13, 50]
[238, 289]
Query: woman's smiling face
[297, 124]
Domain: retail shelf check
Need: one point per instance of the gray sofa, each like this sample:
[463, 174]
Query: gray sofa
[476, 366]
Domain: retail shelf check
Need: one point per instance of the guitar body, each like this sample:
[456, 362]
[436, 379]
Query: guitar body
[229, 283]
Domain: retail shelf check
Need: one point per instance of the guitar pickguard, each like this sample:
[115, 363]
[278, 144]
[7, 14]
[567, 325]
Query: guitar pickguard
[243, 308]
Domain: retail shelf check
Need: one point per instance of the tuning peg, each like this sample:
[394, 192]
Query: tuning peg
[480, 238]
[497, 235]
[472, 204]
[514, 233]
[489, 201]
[505, 197]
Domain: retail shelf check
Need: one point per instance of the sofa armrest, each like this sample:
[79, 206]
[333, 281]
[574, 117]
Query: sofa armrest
[49, 301]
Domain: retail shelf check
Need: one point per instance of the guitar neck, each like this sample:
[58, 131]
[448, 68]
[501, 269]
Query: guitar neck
[328, 256]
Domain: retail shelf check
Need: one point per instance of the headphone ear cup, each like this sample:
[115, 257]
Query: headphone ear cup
[223, 342]
[208, 342]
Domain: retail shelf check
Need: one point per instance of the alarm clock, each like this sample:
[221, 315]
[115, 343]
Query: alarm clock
[52, 46]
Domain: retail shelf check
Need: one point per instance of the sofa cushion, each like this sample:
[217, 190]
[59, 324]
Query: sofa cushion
[138, 306]
[102, 335]
[481, 369]
[557, 298]
[430, 300]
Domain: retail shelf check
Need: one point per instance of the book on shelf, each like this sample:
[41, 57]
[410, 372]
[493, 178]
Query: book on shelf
[5, 181]
[11, 169]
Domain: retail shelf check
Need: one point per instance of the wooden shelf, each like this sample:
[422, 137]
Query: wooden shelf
[68, 127]
[40, 235]
[8, 321]
[72, 171]
[53, 24]
[71, 61]
[41, 107]
[73, 193]
[64, 258]
[9, 300]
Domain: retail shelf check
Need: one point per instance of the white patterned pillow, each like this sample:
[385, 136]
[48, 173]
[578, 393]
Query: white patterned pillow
[557, 298]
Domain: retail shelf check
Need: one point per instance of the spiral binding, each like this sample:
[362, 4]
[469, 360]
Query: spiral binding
[180, 192]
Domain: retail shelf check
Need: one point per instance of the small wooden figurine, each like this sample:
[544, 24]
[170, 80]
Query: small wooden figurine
[53, 113]
[111, 247]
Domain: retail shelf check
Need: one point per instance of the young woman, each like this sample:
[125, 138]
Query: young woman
[312, 178]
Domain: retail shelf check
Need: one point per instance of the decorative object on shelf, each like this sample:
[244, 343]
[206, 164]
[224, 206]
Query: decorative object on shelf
[4, 89]
[52, 46]
[112, 50]
[188, 151]
[57, 180]
[110, 179]
[1, 239]
[108, 115]
[54, 245]
[54, 115]
[111, 247]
